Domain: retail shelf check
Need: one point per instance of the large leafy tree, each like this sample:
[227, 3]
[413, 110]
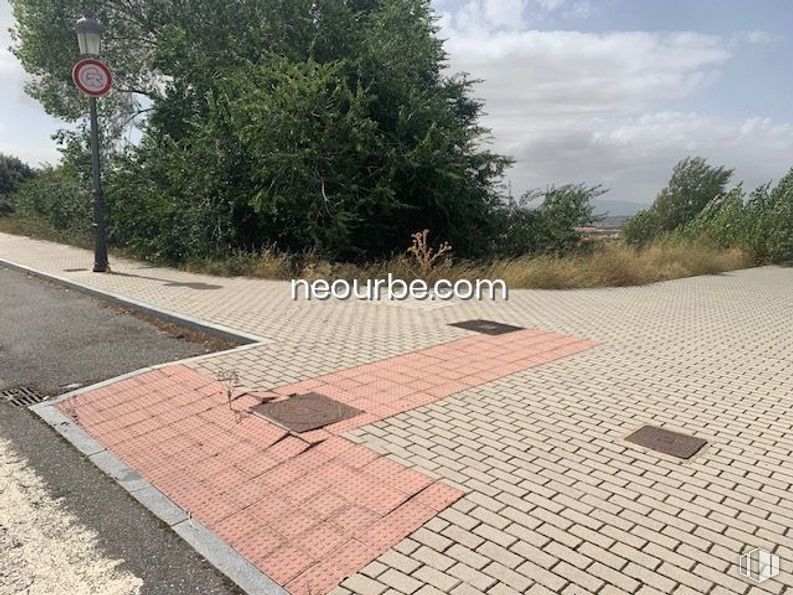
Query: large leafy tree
[313, 124]
[694, 184]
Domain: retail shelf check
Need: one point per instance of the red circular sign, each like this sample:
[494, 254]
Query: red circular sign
[92, 77]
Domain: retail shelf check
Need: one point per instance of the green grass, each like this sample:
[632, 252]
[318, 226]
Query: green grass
[40, 229]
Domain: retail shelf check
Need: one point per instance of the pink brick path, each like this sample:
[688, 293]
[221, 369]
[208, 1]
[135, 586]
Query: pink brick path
[307, 509]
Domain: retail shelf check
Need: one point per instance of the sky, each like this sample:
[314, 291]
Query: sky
[610, 92]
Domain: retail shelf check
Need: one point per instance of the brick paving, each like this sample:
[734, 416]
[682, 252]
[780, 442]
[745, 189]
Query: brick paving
[310, 508]
[554, 500]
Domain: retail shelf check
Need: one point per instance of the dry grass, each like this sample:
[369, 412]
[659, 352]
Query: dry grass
[604, 263]
[613, 264]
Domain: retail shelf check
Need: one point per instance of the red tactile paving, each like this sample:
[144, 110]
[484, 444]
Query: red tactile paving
[307, 509]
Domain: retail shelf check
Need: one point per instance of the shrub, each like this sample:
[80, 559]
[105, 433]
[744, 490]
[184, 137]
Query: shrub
[692, 186]
[550, 226]
[56, 196]
[13, 172]
[768, 226]
[642, 227]
[722, 221]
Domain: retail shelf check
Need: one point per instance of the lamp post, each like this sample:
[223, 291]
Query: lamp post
[93, 78]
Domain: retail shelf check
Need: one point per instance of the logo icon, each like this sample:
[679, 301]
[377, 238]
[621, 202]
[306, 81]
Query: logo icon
[758, 565]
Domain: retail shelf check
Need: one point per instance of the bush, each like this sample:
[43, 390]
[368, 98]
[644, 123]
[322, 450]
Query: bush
[723, 221]
[692, 186]
[549, 227]
[13, 172]
[641, 227]
[56, 197]
[769, 221]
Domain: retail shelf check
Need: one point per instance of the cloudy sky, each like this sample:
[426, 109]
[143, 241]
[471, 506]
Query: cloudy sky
[609, 92]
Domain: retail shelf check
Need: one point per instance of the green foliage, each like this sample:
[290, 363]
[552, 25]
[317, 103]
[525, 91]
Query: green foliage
[722, 221]
[693, 185]
[328, 126]
[769, 221]
[641, 227]
[762, 225]
[56, 196]
[550, 227]
[13, 172]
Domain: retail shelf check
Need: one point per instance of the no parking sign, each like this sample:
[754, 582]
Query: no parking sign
[92, 77]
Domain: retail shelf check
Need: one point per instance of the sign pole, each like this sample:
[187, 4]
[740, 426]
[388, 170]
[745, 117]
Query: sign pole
[100, 235]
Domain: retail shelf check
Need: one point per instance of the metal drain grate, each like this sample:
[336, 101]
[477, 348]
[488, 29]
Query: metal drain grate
[23, 397]
[671, 443]
[74, 270]
[302, 413]
[488, 327]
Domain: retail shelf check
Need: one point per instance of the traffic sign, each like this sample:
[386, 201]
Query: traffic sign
[92, 77]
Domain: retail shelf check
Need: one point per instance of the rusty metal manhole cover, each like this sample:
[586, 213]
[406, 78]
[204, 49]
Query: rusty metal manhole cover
[487, 327]
[22, 396]
[303, 413]
[671, 443]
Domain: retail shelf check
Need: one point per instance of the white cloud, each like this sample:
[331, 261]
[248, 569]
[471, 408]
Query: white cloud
[573, 106]
[634, 155]
[25, 129]
[504, 13]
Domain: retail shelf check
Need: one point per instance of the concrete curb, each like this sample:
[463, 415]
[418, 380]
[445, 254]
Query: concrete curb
[224, 558]
[244, 574]
[216, 330]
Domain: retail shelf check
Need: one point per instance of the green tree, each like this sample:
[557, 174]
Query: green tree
[770, 215]
[723, 221]
[551, 225]
[56, 196]
[694, 183]
[13, 171]
[314, 124]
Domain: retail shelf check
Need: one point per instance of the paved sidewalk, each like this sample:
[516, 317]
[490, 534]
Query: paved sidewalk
[553, 499]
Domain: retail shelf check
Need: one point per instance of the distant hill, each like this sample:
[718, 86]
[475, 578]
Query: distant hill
[616, 208]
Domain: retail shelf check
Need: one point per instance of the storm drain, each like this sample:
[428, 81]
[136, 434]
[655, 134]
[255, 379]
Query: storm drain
[23, 397]
[671, 443]
[303, 413]
[75, 270]
[488, 327]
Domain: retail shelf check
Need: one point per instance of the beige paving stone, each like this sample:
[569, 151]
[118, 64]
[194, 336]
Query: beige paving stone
[363, 585]
[399, 561]
[472, 576]
[541, 453]
[436, 578]
[400, 581]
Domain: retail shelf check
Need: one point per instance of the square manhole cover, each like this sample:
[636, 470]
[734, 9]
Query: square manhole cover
[487, 327]
[671, 443]
[303, 413]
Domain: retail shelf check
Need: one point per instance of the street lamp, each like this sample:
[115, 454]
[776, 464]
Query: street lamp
[93, 78]
[89, 35]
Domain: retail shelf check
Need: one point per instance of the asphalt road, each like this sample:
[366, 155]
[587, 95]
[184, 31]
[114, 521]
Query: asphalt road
[49, 338]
